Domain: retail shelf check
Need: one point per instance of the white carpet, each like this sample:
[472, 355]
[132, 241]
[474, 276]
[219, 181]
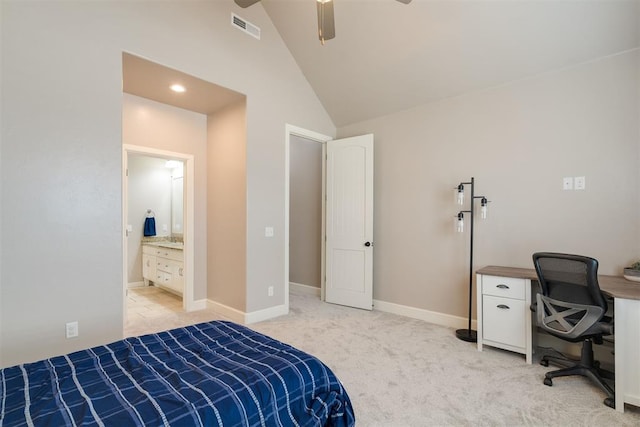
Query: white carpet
[405, 372]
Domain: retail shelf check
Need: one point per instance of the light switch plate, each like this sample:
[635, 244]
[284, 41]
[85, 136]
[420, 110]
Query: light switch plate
[567, 183]
[71, 329]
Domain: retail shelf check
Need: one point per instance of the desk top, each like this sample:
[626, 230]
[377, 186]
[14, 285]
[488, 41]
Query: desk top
[615, 286]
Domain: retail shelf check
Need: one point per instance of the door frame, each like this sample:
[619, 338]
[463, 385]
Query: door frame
[188, 302]
[317, 137]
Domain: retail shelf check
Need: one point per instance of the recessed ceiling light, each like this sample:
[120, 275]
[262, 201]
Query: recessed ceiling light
[178, 88]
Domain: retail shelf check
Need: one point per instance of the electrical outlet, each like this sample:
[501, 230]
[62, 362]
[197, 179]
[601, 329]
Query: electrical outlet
[270, 291]
[72, 329]
[268, 232]
[579, 183]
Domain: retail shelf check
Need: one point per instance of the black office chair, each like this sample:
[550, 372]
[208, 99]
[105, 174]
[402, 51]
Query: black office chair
[571, 307]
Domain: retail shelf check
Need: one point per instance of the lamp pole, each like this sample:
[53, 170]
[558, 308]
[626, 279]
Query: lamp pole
[469, 334]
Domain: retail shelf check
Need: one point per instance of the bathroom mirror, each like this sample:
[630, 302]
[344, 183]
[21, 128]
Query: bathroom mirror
[177, 201]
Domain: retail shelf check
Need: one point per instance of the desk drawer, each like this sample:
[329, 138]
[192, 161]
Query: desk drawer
[508, 287]
[503, 320]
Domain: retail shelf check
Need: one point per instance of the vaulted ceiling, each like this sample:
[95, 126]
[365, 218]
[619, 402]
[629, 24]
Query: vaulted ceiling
[388, 56]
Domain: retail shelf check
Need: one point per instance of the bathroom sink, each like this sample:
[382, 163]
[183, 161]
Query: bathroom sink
[172, 245]
[169, 245]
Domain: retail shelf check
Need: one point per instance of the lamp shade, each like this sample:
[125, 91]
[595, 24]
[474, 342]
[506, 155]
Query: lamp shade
[460, 223]
[460, 194]
[326, 23]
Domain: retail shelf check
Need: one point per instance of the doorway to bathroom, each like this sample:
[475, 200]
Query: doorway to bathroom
[158, 245]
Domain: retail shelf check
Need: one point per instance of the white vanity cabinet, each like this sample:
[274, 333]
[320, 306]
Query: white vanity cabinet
[148, 264]
[163, 266]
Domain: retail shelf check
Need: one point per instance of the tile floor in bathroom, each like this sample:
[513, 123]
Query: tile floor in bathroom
[151, 309]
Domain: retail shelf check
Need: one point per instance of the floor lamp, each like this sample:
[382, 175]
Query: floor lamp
[469, 334]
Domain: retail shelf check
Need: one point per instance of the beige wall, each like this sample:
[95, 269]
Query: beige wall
[61, 159]
[227, 207]
[518, 141]
[305, 218]
[1, 180]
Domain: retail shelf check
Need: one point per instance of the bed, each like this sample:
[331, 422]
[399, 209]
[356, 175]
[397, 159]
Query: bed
[210, 374]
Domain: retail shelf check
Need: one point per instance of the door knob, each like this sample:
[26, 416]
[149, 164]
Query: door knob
[367, 244]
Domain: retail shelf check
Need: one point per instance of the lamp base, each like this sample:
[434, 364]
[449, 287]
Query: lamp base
[468, 335]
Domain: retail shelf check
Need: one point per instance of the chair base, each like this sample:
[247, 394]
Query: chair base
[586, 367]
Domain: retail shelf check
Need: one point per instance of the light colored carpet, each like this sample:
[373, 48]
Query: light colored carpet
[405, 372]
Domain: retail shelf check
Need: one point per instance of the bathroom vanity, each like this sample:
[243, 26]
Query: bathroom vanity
[163, 264]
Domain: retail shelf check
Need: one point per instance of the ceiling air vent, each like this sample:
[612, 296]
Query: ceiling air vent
[244, 25]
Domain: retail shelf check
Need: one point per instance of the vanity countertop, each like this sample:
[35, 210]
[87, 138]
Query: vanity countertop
[166, 244]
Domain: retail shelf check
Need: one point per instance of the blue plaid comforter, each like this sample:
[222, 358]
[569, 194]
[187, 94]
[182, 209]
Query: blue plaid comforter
[211, 374]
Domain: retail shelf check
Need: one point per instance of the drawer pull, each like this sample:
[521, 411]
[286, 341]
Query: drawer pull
[504, 307]
[502, 286]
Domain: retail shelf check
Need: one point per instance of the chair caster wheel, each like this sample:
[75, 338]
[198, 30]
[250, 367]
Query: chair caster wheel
[547, 381]
[610, 402]
[544, 362]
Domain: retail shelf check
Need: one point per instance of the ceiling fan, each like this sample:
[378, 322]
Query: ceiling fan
[326, 23]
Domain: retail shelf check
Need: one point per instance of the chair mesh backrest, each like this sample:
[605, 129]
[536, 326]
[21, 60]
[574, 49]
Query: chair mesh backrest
[570, 278]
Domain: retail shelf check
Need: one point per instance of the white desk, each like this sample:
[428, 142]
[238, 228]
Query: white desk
[512, 328]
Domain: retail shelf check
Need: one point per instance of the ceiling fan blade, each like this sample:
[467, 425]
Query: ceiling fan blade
[247, 3]
[326, 23]
[404, 1]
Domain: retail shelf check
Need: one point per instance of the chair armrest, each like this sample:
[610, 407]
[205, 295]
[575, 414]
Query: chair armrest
[534, 305]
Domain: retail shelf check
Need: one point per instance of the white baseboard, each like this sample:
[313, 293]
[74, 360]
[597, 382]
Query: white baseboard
[434, 317]
[300, 289]
[199, 304]
[426, 315]
[132, 285]
[238, 316]
[402, 310]
[228, 312]
[266, 314]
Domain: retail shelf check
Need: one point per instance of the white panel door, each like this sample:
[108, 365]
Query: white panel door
[349, 222]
